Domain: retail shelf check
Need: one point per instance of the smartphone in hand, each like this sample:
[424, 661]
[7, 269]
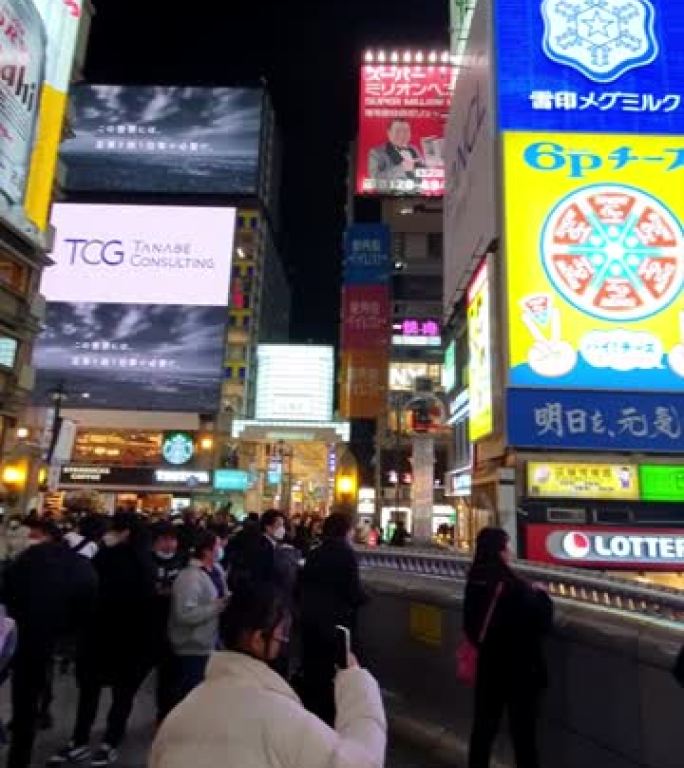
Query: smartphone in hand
[342, 647]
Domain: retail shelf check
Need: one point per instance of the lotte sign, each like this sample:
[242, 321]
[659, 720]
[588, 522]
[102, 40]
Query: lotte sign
[607, 548]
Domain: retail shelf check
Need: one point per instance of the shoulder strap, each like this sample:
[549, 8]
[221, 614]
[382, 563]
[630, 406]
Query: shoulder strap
[490, 612]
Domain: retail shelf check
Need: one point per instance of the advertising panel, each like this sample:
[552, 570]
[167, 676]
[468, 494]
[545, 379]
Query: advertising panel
[582, 481]
[62, 19]
[643, 549]
[480, 363]
[402, 120]
[662, 482]
[366, 312]
[449, 369]
[582, 65]
[294, 383]
[417, 332]
[152, 334]
[595, 261]
[73, 475]
[130, 254]
[22, 69]
[367, 254]
[596, 421]
[470, 210]
[231, 480]
[164, 140]
[363, 385]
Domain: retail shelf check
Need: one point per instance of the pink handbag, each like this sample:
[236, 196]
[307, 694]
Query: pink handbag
[467, 654]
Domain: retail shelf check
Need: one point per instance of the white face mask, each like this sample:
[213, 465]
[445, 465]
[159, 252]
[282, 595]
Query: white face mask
[165, 555]
[110, 539]
[279, 533]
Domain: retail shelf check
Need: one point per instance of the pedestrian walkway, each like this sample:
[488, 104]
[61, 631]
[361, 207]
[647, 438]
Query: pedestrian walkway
[141, 730]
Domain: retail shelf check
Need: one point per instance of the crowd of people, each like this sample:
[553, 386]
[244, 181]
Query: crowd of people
[241, 619]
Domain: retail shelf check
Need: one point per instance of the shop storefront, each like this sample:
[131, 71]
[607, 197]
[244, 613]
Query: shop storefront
[606, 516]
[156, 490]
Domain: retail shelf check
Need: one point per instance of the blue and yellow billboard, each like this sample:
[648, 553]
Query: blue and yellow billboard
[595, 261]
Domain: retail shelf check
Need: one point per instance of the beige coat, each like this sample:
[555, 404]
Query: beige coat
[246, 716]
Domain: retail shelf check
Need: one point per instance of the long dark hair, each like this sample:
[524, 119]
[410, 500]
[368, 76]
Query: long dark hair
[254, 607]
[488, 563]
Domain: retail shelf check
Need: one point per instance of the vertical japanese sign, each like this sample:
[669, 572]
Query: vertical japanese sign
[22, 65]
[367, 254]
[480, 360]
[402, 120]
[365, 321]
[62, 19]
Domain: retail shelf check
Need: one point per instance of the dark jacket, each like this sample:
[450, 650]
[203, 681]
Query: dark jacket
[330, 587]
[512, 652]
[250, 557]
[50, 592]
[123, 629]
[166, 572]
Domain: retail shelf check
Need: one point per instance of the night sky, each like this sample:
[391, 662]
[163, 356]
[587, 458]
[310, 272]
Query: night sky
[307, 51]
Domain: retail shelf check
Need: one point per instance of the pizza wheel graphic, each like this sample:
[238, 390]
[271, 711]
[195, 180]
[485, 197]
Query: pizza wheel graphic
[614, 252]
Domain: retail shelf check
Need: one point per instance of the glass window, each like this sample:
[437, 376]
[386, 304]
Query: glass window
[232, 321]
[243, 374]
[241, 222]
[229, 373]
[245, 322]
[435, 245]
[8, 351]
[250, 271]
[13, 275]
[245, 301]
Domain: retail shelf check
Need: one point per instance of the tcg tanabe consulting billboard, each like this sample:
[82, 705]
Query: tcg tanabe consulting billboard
[402, 119]
[137, 306]
[164, 140]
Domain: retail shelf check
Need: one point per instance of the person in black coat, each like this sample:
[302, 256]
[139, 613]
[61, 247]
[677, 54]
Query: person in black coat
[511, 668]
[50, 592]
[330, 594]
[118, 650]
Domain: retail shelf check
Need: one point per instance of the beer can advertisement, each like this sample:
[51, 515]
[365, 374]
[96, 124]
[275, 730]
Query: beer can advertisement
[403, 113]
[595, 261]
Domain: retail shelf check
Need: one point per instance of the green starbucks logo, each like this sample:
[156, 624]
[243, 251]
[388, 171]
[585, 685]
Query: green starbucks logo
[178, 448]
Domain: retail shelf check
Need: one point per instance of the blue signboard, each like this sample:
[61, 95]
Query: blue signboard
[231, 480]
[596, 421]
[612, 66]
[367, 254]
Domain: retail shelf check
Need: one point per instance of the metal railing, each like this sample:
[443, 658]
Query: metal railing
[587, 587]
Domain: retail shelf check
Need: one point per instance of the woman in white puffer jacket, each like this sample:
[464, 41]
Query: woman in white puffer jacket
[245, 715]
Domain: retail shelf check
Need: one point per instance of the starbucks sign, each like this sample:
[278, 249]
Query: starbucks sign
[178, 448]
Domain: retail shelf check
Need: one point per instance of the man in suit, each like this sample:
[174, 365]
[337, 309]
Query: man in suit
[397, 159]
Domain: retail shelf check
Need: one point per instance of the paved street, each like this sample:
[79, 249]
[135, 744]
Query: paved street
[134, 751]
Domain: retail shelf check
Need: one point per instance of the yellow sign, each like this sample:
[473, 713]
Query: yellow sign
[582, 481]
[425, 624]
[480, 363]
[595, 261]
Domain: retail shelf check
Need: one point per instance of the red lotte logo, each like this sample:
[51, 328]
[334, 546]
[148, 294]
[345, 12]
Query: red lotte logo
[576, 545]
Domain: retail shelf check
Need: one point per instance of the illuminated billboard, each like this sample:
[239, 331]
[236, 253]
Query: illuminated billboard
[582, 481]
[295, 383]
[595, 249]
[22, 69]
[164, 140]
[402, 122]
[151, 333]
[480, 355]
[588, 66]
[62, 20]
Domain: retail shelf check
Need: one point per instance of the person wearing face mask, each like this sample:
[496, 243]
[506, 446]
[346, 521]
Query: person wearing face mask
[168, 563]
[117, 649]
[246, 715]
[199, 595]
[330, 594]
[251, 555]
